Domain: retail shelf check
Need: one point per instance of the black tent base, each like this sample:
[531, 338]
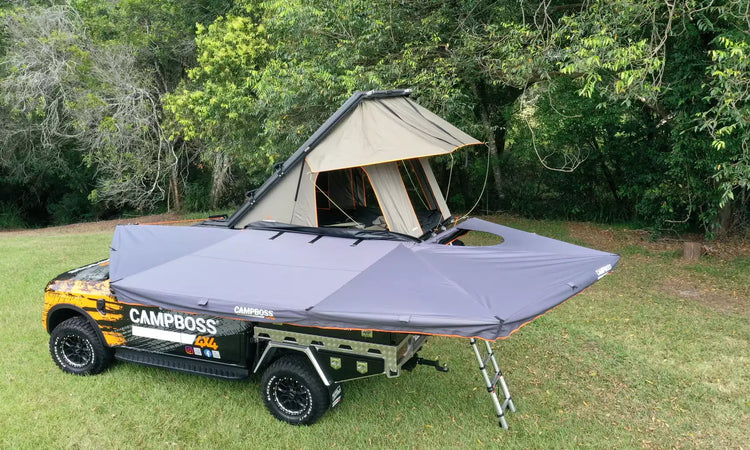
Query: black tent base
[493, 382]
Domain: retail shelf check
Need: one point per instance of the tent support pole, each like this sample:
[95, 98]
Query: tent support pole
[299, 179]
[492, 382]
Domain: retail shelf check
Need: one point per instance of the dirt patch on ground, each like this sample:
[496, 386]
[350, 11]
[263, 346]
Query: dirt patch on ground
[722, 299]
[719, 300]
[597, 237]
[93, 227]
[610, 239]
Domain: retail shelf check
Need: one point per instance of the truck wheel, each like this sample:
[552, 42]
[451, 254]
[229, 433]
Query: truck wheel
[293, 392]
[77, 349]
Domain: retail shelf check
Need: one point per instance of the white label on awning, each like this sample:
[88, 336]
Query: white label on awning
[600, 272]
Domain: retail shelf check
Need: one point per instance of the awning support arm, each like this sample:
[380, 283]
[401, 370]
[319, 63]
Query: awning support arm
[492, 382]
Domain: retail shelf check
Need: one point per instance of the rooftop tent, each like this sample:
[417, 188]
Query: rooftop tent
[365, 167]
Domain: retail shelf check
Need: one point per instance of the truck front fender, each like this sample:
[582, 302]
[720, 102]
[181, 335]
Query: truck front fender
[62, 312]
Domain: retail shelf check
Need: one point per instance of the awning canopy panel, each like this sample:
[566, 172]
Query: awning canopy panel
[485, 292]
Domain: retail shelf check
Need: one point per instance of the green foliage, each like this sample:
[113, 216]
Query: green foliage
[597, 110]
[609, 47]
[87, 78]
[603, 162]
[728, 117]
[198, 191]
[71, 207]
[271, 72]
[220, 104]
[80, 97]
[662, 59]
[10, 218]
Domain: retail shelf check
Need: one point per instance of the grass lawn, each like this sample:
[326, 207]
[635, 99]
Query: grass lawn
[655, 355]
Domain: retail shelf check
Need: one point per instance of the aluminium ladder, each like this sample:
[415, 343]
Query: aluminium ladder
[492, 383]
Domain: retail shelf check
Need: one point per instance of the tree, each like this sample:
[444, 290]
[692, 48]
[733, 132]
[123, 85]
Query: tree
[88, 77]
[220, 105]
[693, 79]
[160, 36]
[76, 96]
[639, 106]
[287, 63]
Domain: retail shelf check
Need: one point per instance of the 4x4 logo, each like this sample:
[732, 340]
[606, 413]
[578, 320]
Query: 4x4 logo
[206, 342]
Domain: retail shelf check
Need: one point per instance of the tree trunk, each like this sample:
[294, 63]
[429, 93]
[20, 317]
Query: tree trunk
[725, 219]
[490, 102]
[220, 178]
[489, 132]
[174, 188]
[692, 251]
[611, 182]
[497, 175]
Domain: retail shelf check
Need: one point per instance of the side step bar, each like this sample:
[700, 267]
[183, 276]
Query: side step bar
[182, 364]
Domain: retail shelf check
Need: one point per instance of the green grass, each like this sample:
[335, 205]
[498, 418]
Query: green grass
[628, 363]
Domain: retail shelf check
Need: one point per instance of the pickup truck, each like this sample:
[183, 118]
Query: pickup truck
[301, 367]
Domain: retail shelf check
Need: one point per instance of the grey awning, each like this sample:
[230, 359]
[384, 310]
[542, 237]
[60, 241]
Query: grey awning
[485, 292]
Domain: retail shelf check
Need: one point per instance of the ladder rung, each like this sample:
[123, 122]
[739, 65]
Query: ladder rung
[494, 383]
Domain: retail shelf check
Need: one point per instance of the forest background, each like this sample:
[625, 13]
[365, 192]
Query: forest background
[613, 111]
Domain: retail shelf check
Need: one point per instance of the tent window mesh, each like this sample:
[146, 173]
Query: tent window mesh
[420, 194]
[346, 198]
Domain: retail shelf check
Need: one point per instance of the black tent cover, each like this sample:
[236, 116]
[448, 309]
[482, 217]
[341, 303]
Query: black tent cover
[352, 282]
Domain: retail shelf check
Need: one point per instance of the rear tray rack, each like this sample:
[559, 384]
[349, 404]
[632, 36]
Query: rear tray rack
[394, 356]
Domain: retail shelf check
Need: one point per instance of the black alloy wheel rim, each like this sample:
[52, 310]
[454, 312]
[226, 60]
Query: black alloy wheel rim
[76, 350]
[291, 396]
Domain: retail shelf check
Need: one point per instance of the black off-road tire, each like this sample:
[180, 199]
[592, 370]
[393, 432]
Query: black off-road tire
[77, 349]
[293, 392]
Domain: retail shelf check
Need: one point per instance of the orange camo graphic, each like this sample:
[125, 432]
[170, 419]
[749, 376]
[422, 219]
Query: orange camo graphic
[90, 289]
[84, 295]
[113, 338]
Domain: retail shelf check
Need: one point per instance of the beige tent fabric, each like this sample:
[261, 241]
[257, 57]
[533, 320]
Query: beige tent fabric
[305, 212]
[393, 199]
[435, 188]
[279, 204]
[385, 130]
